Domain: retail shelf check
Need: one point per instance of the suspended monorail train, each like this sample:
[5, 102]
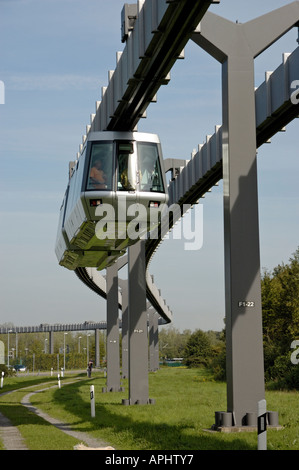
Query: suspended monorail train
[115, 187]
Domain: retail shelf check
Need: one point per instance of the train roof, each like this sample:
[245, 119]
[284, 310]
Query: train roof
[119, 135]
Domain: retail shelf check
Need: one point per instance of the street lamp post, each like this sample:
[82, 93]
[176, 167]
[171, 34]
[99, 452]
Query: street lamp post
[64, 351]
[79, 344]
[88, 349]
[9, 331]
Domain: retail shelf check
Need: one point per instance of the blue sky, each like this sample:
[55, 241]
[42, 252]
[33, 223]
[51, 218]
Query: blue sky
[54, 59]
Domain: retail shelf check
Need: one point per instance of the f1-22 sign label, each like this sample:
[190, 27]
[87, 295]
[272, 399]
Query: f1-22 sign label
[246, 303]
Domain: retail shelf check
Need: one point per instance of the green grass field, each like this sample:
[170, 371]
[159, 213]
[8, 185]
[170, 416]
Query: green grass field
[180, 419]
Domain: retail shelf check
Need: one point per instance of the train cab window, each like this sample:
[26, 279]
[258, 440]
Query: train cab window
[100, 170]
[149, 167]
[126, 165]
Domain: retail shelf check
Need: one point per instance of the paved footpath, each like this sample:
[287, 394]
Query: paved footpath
[13, 440]
[10, 435]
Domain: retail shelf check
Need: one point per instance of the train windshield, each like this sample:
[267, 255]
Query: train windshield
[126, 162]
[149, 167]
[100, 171]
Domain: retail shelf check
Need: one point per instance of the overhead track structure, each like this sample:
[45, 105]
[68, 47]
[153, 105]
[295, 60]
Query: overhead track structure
[192, 178]
[133, 85]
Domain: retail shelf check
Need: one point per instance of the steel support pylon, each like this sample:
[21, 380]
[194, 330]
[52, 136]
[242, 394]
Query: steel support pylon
[124, 327]
[138, 338]
[235, 46]
[97, 347]
[153, 340]
[112, 345]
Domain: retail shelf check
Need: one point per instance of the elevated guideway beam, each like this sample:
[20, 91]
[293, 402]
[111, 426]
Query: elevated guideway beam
[97, 283]
[276, 98]
[192, 178]
[59, 327]
[160, 33]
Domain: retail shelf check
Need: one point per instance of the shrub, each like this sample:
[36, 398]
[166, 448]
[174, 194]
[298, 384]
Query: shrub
[7, 372]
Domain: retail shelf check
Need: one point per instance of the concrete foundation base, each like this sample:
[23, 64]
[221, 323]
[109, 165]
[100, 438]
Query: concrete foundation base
[224, 422]
[240, 428]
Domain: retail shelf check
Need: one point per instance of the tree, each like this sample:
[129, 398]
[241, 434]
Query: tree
[198, 350]
[280, 302]
[172, 342]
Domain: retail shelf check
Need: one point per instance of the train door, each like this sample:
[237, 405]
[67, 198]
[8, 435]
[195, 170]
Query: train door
[126, 184]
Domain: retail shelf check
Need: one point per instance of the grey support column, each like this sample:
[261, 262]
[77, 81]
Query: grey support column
[112, 343]
[235, 46]
[97, 347]
[153, 340]
[51, 342]
[151, 315]
[156, 341]
[125, 329]
[245, 363]
[138, 339]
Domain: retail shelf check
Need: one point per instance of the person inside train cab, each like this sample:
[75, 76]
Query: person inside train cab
[98, 178]
[147, 170]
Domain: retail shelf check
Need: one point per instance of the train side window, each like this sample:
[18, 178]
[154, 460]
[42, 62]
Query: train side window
[149, 167]
[100, 169]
